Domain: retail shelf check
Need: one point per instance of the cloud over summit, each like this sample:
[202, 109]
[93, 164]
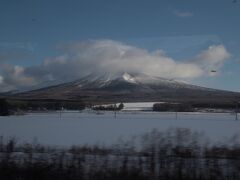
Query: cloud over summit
[106, 56]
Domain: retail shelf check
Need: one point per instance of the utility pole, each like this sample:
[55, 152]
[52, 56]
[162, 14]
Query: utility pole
[237, 111]
[176, 112]
[115, 111]
[61, 112]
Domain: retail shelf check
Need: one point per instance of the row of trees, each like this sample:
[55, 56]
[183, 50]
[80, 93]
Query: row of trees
[4, 107]
[11, 106]
[176, 154]
[173, 107]
[190, 107]
[109, 107]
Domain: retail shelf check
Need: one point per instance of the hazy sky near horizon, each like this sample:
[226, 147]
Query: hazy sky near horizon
[59, 40]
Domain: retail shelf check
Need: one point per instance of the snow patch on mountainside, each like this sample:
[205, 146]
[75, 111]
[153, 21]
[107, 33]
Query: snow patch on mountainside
[128, 78]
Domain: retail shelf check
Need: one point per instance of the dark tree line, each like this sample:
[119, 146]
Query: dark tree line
[109, 107]
[9, 106]
[172, 155]
[173, 107]
[4, 107]
[193, 106]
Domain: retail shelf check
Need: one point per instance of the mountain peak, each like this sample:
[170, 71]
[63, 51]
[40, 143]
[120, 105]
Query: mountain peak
[127, 77]
[107, 80]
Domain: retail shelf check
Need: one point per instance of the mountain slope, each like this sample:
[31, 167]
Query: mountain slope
[129, 88]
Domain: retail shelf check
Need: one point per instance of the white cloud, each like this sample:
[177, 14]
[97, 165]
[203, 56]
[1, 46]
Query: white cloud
[113, 57]
[15, 77]
[1, 80]
[213, 58]
[107, 56]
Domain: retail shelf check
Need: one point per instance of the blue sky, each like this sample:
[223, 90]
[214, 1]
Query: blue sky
[32, 31]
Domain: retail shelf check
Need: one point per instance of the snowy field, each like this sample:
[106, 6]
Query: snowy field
[69, 128]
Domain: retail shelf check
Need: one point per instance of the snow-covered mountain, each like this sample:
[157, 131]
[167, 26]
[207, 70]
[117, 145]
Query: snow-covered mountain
[106, 81]
[128, 87]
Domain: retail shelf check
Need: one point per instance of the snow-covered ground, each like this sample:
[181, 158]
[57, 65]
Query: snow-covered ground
[141, 106]
[75, 127]
[135, 106]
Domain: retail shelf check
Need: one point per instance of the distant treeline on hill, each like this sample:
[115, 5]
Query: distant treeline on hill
[4, 108]
[9, 106]
[12, 106]
[190, 107]
[111, 107]
[183, 107]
